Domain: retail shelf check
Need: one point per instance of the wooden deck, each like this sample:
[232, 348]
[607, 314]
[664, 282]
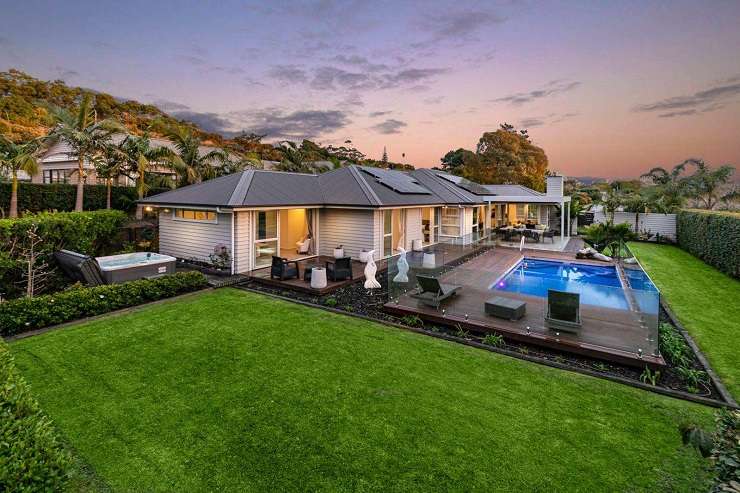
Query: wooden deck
[444, 254]
[611, 334]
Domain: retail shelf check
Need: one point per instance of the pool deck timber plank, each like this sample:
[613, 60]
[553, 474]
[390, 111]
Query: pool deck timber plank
[607, 333]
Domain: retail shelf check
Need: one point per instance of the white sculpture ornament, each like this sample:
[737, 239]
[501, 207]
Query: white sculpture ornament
[403, 268]
[370, 270]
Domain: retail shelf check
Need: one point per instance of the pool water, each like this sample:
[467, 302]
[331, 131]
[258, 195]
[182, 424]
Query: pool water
[131, 259]
[598, 285]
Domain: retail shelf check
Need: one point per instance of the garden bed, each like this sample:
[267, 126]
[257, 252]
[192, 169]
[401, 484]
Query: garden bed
[357, 300]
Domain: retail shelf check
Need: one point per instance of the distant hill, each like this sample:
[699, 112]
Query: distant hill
[24, 100]
[589, 180]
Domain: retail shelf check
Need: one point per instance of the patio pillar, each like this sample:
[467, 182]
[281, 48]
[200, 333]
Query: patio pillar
[567, 218]
[562, 222]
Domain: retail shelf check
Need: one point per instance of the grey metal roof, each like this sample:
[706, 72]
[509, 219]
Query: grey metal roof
[448, 192]
[350, 186]
[512, 190]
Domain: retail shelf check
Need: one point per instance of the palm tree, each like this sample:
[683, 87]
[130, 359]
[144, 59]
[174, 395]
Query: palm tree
[86, 136]
[670, 187]
[109, 165]
[706, 184]
[141, 157]
[294, 159]
[14, 158]
[190, 165]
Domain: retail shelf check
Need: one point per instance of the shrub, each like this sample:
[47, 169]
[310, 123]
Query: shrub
[713, 237]
[26, 314]
[31, 456]
[493, 340]
[36, 197]
[330, 301]
[673, 346]
[93, 233]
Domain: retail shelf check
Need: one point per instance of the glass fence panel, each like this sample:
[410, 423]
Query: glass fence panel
[602, 317]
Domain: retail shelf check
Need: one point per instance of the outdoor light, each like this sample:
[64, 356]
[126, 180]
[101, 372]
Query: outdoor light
[148, 208]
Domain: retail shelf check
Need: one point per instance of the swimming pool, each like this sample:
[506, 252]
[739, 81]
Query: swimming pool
[597, 284]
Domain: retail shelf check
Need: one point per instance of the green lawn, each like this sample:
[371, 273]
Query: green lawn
[228, 390]
[706, 301]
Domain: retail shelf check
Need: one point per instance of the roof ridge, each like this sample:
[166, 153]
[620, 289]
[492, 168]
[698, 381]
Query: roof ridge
[369, 193]
[450, 186]
[242, 188]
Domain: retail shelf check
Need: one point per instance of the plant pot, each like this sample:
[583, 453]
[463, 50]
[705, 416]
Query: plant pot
[364, 257]
[338, 252]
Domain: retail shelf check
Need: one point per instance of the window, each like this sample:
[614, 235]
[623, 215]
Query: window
[57, 175]
[450, 221]
[521, 212]
[193, 215]
[533, 212]
[387, 233]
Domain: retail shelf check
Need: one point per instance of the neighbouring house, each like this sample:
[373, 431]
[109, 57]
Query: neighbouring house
[256, 214]
[59, 164]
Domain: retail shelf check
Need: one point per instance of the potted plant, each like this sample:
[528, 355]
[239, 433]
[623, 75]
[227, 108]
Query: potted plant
[339, 251]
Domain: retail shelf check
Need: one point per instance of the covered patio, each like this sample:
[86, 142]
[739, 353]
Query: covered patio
[543, 222]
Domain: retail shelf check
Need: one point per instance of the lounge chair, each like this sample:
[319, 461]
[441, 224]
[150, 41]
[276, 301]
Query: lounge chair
[283, 268]
[340, 269]
[79, 267]
[432, 292]
[303, 246]
[563, 310]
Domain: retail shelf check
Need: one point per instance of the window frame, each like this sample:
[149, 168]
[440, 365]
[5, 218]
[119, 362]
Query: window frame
[194, 220]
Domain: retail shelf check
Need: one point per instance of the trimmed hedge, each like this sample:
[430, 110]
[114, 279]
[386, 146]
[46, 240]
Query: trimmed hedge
[31, 455]
[713, 237]
[37, 197]
[26, 314]
[86, 232]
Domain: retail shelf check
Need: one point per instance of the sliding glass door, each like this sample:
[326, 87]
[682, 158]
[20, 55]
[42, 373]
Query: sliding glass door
[266, 239]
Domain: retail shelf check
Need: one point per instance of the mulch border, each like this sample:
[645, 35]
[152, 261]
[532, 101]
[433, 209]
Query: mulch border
[699, 355]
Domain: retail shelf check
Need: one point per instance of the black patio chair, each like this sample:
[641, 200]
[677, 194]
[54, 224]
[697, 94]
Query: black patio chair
[283, 268]
[432, 292]
[340, 269]
[563, 310]
[550, 233]
[79, 267]
[532, 235]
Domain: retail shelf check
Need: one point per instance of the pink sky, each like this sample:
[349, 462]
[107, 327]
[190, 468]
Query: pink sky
[608, 89]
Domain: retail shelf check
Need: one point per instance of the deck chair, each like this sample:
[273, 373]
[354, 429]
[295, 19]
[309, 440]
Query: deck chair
[303, 246]
[283, 268]
[563, 310]
[79, 267]
[432, 292]
[340, 269]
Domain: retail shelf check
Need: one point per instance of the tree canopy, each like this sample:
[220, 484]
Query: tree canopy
[502, 156]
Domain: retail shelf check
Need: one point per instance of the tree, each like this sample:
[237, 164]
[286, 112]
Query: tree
[14, 158]
[86, 137]
[384, 159]
[190, 165]
[669, 193]
[706, 184]
[503, 156]
[455, 161]
[294, 158]
[109, 166]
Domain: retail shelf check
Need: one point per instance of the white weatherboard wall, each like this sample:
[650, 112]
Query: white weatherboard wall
[352, 228]
[193, 240]
[243, 241]
[663, 224]
[413, 227]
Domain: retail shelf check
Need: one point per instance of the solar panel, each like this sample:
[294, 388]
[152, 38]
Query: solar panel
[397, 181]
[465, 184]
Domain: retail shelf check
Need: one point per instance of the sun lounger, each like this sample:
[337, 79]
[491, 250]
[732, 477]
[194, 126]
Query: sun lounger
[432, 292]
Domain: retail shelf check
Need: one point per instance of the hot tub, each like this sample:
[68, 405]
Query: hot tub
[132, 266]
